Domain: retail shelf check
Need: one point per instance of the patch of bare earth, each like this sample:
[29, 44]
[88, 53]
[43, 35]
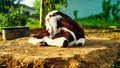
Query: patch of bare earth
[100, 51]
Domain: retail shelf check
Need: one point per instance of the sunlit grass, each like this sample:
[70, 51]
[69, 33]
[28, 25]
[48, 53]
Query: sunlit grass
[97, 23]
[85, 22]
[33, 24]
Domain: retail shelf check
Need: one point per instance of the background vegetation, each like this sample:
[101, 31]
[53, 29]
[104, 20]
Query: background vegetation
[102, 20]
[10, 14]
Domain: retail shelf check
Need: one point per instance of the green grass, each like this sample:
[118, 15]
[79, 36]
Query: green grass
[97, 23]
[33, 24]
[84, 22]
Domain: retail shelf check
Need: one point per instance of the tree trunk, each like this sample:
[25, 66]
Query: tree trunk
[42, 13]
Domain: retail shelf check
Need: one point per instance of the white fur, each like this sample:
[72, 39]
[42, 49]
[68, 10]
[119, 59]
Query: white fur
[48, 40]
[48, 25]
[75, 42]
[81, 40]
[52, 12]
[71, 32]
[51, 24]
[59, 41]
[55, 42]
[35, 41]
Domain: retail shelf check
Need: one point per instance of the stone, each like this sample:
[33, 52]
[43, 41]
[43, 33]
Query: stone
[10, 33]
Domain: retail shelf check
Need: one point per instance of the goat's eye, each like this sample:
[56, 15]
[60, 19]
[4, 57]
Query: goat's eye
[50, 15]
[55, 14]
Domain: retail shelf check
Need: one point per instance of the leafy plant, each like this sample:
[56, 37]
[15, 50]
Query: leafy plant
[53, 4]
[75, 12]
[116, 11]
[13, 19]
[37, 6]
[6, 4]
[49, 5]
[106, 7]
[33, 23]
[97, 22]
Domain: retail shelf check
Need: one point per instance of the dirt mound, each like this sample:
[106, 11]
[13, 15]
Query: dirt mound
[98, 52]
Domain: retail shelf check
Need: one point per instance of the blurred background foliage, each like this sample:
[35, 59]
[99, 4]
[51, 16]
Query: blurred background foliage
[10, 14]
[6, 5]
[102, 20]
[49, 5]
[14, 18]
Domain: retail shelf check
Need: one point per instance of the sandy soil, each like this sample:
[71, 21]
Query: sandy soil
[100, 51]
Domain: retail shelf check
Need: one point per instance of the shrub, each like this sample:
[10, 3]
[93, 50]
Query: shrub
[14, 18]
[33, 23]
